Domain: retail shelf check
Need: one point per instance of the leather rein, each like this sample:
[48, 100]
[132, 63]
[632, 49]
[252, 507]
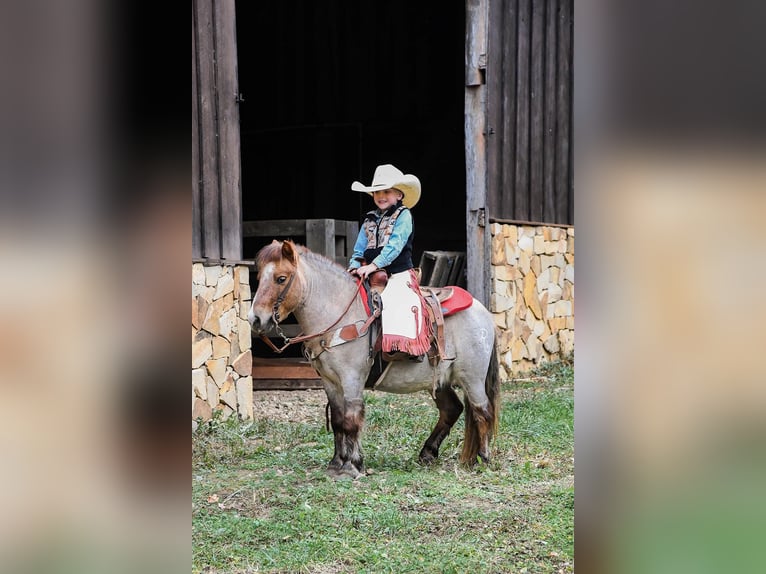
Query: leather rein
[301, 338]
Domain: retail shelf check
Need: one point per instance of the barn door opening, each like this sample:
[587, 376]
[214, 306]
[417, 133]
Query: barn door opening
[332, 89]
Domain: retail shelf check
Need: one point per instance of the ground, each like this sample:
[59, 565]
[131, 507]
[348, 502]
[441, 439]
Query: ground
[297, 406]
[263, 503]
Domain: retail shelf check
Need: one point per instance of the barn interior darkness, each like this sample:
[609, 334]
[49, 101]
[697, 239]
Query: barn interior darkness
[331, 89]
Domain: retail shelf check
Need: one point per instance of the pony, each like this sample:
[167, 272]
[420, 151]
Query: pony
[326, 300]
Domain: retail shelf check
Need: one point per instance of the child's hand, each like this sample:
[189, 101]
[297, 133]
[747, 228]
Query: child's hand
[365, 270]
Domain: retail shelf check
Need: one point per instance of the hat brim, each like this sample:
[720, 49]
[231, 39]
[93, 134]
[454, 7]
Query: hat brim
[409, 185]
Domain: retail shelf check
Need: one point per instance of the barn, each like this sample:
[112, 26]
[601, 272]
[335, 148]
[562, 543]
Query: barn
[294, 100]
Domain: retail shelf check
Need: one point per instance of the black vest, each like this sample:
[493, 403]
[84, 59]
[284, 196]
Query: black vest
[404, 260]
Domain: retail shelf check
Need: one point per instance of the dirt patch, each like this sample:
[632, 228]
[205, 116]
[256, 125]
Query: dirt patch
[304, 406]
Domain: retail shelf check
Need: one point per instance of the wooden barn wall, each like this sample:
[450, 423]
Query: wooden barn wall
[216, 181]
[529, 131]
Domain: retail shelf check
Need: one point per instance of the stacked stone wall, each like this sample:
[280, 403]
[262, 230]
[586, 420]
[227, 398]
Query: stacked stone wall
[221, 343]
[532, 294]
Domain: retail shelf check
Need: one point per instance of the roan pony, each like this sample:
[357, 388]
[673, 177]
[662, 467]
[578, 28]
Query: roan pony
[324, 297]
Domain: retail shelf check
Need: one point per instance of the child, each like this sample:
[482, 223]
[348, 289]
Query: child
[385, 242]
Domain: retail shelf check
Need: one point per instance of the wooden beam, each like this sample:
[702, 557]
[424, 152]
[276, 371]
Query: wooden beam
[521, 185]
[549, 122]
[227, 108]
[524, 222]
[286, 384]
[211, 213]
[320, 236]
[283, 369]
[536, 110]
[196, 199]
[508, 70]
[564, 103]
[275, 228]
[479, 143]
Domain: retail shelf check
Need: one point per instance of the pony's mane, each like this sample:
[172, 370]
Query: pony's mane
[273, 253]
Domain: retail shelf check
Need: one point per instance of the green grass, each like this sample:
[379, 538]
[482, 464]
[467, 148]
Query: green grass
[262, 501]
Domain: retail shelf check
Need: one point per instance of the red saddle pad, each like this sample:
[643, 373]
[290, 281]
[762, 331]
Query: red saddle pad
[460, 299]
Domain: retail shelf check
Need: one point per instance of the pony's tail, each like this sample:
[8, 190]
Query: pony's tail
[480, 421]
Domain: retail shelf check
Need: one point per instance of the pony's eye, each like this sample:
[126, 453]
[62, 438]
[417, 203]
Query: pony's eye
[281, 279]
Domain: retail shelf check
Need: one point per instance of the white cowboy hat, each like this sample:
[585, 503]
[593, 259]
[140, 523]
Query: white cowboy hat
[387, 177]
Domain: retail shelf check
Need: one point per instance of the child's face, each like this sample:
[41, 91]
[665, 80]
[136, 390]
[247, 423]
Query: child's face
[386, 198]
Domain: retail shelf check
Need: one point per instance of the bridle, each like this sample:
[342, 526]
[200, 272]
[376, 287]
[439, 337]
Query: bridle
[300, 338]
[275, 309]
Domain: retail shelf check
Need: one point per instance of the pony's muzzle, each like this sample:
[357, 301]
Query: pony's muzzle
[259, 325]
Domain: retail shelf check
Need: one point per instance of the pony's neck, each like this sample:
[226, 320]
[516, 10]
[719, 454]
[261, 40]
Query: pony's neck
[326, 294]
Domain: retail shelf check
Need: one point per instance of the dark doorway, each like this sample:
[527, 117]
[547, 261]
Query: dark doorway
[331, 89]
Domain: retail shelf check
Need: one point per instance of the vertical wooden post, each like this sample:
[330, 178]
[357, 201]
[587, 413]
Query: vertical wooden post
[320, 236]
[227, 86]
[536, 110]
[563, 104]
[211, 213]
[477, 230]
[521, 185]
[549, 127]
[196, 216]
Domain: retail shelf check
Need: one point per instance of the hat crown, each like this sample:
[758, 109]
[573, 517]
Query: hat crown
[387, 177]
[387, 174]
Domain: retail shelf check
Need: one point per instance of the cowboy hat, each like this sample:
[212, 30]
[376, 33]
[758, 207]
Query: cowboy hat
[387, 177]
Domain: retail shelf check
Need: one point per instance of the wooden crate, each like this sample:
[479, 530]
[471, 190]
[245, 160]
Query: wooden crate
[440, 268]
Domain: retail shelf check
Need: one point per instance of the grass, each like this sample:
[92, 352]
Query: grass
[262, 501]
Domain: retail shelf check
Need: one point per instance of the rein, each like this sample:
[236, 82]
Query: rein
[301, 338]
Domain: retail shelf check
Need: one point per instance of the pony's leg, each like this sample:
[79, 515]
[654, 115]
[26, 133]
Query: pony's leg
[336, 420]
[346, 418]
[480, 425]
[337, 411]
[353, 420]
[481, 417]
[450, 408]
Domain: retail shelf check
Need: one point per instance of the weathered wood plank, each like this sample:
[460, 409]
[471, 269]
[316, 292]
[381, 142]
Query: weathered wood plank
[280, 368]
[211, 214]
[564, 208]
[275, 228]
[495, 129]
[507, 187]
[481, 153]
[526, 222]
[456, 273]
[228, 129]
[536, 110]
[320, 236]
[196, 216]
[286, 384]
[549, 128]
[440, 272]
[521, 195]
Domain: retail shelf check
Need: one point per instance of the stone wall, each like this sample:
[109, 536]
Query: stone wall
[532, 294]
[221, 344]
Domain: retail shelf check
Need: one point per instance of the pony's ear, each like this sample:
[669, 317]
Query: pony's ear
[289, 252]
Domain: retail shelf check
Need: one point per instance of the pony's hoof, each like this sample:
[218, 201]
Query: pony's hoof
[427, 457]
[345, 472]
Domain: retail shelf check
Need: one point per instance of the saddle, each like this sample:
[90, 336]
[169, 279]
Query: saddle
[439, 302]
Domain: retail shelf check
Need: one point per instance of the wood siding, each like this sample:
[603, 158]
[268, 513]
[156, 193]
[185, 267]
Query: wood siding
[216, 181]
[529, 101]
